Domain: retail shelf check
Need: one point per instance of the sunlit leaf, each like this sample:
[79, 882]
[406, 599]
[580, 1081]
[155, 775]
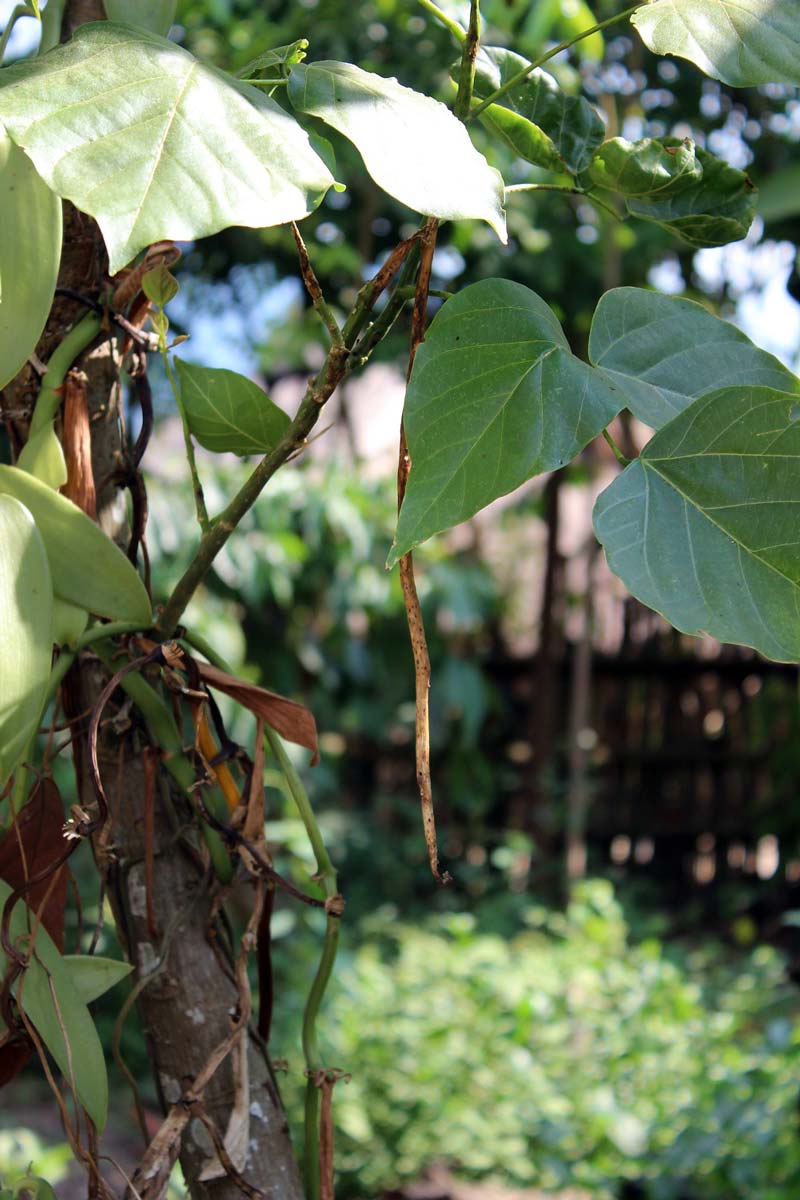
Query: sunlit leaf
[412, 146]
[742, 42]
[30, 233]
[281, 56]
[154, 144]
[663, 352]
[26, 602]
[539, 120]
[676, 184]
[495, 397]
[227, 411]
[704, 525]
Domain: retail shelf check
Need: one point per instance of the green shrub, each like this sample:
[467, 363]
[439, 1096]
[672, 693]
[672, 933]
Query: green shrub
[564, 1056]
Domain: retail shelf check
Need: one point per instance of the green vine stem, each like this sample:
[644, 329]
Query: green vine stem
[79, 338]
[469, 53]
[21, 10]
[618, 455]
[197, 487]
[326, 873]
[443, 19]
[538, 62]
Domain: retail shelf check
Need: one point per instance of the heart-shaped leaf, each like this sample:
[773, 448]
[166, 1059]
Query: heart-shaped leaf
[677, 185]
[135, 131]
[87, 568]
[539, 120]
[155, 15]
[703, 526]
[227, 411]
[30, 232]
[93, 975]
[742, 42]
[495, 397]
[412, 146]
[26, 604]
[50, 1001]
[663, 352]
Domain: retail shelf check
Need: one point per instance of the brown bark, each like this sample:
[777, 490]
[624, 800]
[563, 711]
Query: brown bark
[186, 1009]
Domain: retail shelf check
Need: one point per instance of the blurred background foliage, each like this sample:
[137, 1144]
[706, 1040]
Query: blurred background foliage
[633, 1033]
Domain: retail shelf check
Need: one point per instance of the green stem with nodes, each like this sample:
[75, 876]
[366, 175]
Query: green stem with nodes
[618, 455]
[443, 19]
[197, 487]
[538, 62]
[560, 187]
[326, 873]
[79, 338]
[22, 10]
[341, 359]
[469, 53]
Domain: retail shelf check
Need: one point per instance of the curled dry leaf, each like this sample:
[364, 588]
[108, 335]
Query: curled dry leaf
[291, 720]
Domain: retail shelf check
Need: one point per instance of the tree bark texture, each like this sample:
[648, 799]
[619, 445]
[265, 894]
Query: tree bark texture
[186, 1009]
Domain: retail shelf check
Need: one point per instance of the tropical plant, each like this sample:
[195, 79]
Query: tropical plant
[148, 144]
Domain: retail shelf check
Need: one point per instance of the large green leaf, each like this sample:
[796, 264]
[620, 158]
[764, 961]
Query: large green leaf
[87, 568]
[676, 184]
[92, 975]
[662, 353]
[540, 122]
[412, 146]
[704, 526]
[135, 131]
[155, 15]
[30, 251]
[26, 604]
[741, 42]
[227, 411]
[50, 1001]
[495, 397]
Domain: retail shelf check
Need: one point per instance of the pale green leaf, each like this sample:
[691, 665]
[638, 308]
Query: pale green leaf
[160, 285]
[663, 352]
[704, 526]
[676, 184]
[742, 42]
[52, 17]
[135, 131]
[495, 397]
[539, 121]
[227, 411]
[30, 251]
[86, 567]
[93, 975]
[154, 15]
[26, 603]
[412, 146]
[31, 1187]
[43, 456]
[50, 1001]
[269, 60]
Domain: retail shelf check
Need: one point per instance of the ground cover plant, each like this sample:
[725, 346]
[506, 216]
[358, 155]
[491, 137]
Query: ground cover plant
[148, 144]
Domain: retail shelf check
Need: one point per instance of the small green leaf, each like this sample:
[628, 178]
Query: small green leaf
[228, 412]
[26, 603]
[540, 122]
[165, 147]
[495, 397]
[92, 975]
[154, 15]
[50, 1001]
[703, 526]
[87, 568]
[160, 285]
[742, 42]
[675, 184]
[281, 56]
[663, 352]
[412, 146]
[30, 251]
[43, 456]
[31, 1187]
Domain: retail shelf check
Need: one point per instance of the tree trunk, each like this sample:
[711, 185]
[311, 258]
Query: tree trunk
[186, 1009]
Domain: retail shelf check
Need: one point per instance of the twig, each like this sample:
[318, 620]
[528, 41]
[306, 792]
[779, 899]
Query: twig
[469, 53]
[315, 291]
[416, 627]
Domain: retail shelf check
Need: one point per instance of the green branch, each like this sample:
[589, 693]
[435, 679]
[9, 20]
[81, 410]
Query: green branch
[469, 53]
[443, 19]
[538, 62]
[71, 346]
